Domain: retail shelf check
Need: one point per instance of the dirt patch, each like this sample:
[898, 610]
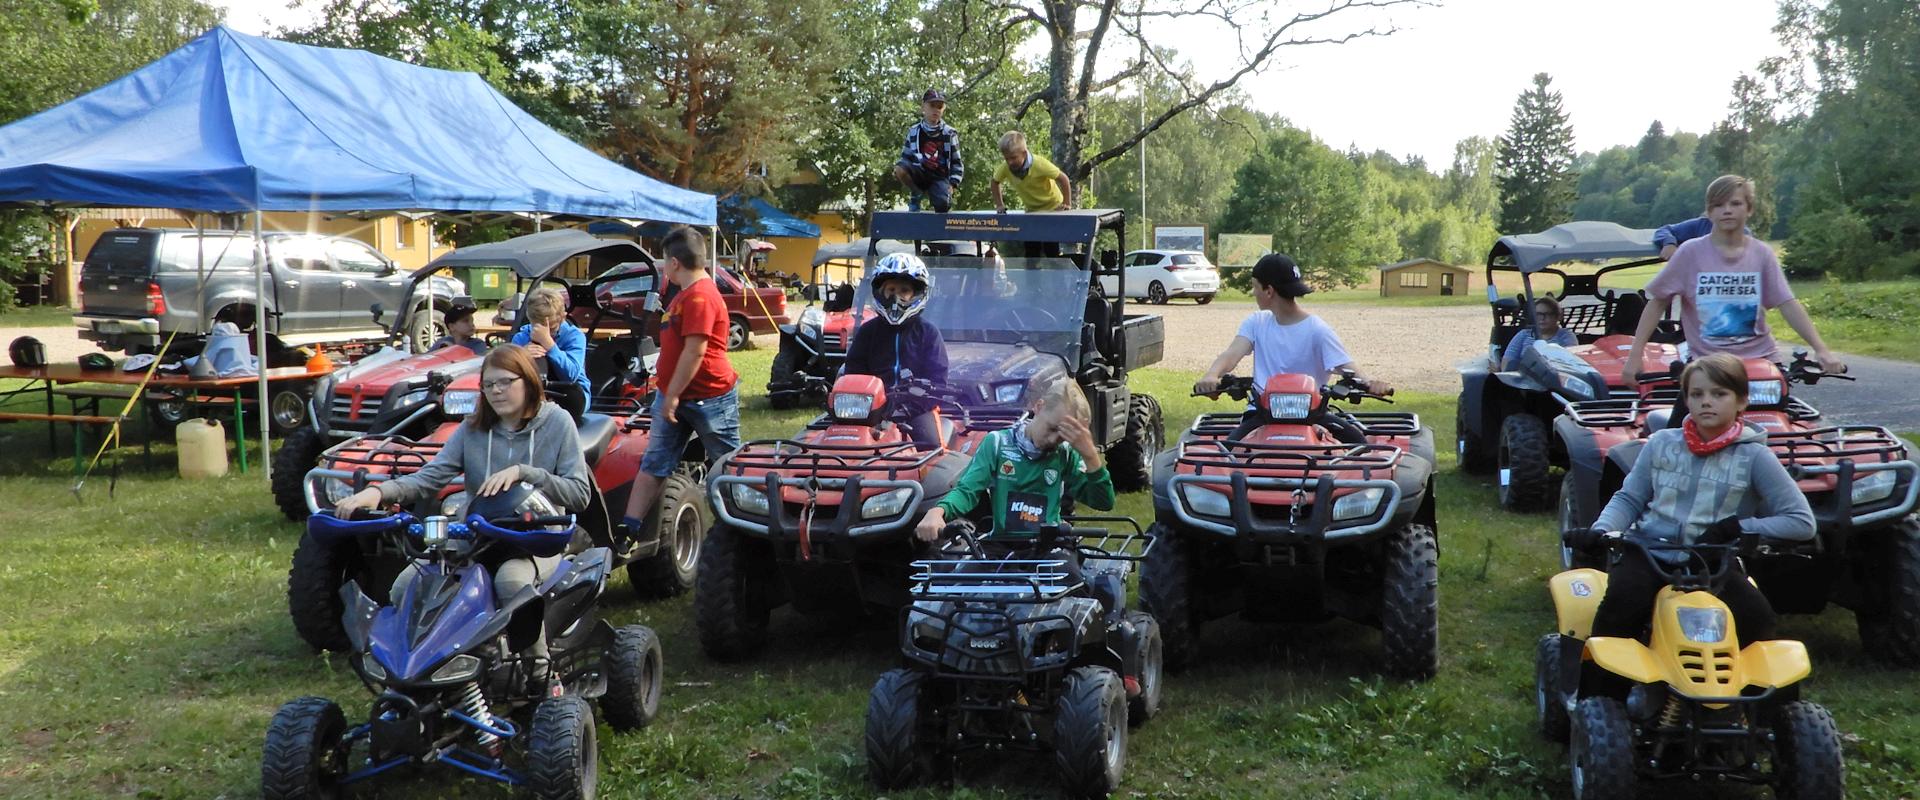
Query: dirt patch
[1414, 347]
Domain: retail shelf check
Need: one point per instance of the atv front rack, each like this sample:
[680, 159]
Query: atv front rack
[1010, 580]
[1002, 608]
[1221, 424]
[367, 459]
[1848, 452]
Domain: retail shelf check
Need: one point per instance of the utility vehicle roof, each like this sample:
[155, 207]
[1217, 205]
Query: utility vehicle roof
[535, 255]
[1572, 241]
[1077, 225]
[856, 250]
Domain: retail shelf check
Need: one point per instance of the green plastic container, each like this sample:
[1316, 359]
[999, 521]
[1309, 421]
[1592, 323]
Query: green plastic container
[491, 284]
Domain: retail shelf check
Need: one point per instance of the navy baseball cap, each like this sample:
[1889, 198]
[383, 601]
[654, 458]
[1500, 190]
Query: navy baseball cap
[1278, 272]
[933, 96]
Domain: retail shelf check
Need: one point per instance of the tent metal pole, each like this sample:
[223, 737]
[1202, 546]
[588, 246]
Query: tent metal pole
[262, 410]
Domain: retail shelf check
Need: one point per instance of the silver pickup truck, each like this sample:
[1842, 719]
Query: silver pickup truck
[140, 284]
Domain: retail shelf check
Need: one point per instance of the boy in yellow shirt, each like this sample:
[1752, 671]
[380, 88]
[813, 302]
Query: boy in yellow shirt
[1040, 185]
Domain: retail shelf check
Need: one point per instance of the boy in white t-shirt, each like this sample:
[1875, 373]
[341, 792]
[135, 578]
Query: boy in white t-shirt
[1283, 339]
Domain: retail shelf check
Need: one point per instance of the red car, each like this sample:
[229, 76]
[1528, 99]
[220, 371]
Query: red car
[752, 309]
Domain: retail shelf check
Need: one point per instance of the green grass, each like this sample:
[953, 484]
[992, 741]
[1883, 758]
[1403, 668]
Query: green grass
[35, 316]
[1874, 318]
[146, 646]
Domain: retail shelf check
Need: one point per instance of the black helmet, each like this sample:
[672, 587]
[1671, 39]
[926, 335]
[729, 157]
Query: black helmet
[27, 351]
[96, 361]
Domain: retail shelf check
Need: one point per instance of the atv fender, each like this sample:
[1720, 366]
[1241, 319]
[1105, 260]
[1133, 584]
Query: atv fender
[1475, 396]
[1774, 664]
[1576, 596]
[1585, 461]
[1627, 658]
[1622, 457]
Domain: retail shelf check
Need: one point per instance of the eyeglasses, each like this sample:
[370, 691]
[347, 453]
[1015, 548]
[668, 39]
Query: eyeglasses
[499, 385]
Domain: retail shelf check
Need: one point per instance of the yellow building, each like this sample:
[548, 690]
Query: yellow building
[1423, 277]
[795, 256]
[408, 242]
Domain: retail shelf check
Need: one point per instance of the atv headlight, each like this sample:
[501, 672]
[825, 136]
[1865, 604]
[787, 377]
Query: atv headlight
[371, 666]
[1871, 487]
[885, 504]
[852, 406]
[459, 668]
[1703, 625]
[1206, 502]
[749, 499]
[1576, 387]
[1008, 393]
[811, 321]
[1358, 504]
[460, 402]
[1764, 393]
[1289, 406]
[410, 399]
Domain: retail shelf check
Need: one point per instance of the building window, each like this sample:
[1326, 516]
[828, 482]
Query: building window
[1413, 280]
[402, 232]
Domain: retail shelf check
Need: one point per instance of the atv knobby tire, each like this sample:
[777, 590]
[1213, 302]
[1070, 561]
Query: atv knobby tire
[304, 758]
[299, 452]
[1549, 701]
[563, 750]
[898, 752]
[1146, 634]
[1165, 586]
[1475, 457]
[1891, 633]
[786, 370]
[1523, 461]
[1602, 750]
[680, 524]
[729, 602]
[634, 669]
[1807, 759]
[1410, 603]
[1130, 460]
[1090, 732]
[313, 590]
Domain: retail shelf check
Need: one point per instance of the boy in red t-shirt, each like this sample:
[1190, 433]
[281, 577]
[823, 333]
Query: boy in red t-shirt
[697, 393]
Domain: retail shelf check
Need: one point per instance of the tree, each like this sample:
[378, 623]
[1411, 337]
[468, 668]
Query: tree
[1536, 161]
[1742, 146]
[1191, 161]
[1079, 35]
[1309, 197]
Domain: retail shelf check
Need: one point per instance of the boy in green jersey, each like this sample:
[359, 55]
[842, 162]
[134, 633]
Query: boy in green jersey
[1024, 471]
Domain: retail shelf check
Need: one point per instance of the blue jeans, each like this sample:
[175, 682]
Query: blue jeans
[935, 187]
[716, 420]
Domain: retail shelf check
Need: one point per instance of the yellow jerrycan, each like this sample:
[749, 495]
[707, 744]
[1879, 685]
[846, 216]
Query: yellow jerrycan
[203, 448]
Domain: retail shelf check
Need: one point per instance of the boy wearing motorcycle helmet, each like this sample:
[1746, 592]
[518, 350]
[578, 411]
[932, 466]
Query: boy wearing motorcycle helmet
[901, 343]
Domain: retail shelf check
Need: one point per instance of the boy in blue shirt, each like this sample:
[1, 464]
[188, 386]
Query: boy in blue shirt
[548, 334]
[930, 162]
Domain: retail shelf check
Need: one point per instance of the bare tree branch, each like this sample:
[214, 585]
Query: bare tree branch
[1120, 77]
[1027, 104]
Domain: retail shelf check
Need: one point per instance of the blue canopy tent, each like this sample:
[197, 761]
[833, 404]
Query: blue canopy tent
[236, 123]
[743, 216]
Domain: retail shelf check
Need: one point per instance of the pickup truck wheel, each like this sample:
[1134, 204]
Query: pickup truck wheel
[424, 327]
[287, 409]
[166, 413]
[738, 334]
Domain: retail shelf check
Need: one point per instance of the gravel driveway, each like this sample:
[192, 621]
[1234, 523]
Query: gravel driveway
[1415, 347]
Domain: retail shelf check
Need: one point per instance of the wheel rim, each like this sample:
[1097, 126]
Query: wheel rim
[736, 335]
[1566, 524]
[1157, 293]
[1116, 735]
[1579, 759]
[171, 410]
[650, 678]
[1150, 670]
[686, 538]
[590, 762]
[289, 410]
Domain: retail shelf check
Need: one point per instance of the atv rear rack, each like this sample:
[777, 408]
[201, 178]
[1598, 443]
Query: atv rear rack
[371, 459]
[1618, 412]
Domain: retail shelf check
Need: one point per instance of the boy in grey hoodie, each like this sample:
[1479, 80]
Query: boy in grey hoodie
[1711, 481]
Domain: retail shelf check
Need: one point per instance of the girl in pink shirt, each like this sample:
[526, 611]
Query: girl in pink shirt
[1725, 282]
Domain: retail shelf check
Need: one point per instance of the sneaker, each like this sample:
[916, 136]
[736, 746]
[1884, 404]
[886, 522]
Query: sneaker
[913, 203]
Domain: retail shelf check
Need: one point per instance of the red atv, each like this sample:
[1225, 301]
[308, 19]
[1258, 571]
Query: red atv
[396, 393]
[1291, 523]
[825, 520]
[816, 344]
[1860, 479]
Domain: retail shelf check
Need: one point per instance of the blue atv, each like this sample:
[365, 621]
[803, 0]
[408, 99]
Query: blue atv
[454, 684]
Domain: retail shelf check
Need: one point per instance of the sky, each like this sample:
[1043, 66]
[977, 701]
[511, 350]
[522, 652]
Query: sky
[1454, 71]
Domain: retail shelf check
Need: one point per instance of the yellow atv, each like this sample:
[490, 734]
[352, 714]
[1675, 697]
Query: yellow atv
[1688, 703]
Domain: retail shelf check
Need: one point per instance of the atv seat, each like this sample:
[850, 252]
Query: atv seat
[572, 397]
[596, 431]
[840, 298]
[1624, 316]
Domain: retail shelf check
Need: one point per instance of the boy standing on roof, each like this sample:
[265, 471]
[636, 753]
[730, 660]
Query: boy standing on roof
[930, 162]
[1040, 185]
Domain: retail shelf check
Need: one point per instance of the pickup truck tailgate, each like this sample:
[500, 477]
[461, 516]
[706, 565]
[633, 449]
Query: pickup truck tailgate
[114, 280]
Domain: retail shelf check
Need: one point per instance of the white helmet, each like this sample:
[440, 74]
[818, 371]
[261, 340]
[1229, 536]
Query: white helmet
[900, 265]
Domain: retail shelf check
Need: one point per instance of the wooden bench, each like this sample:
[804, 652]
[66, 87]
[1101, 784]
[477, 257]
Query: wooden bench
[76, 420]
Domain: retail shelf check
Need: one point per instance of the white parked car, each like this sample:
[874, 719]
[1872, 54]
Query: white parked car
[1159, 275]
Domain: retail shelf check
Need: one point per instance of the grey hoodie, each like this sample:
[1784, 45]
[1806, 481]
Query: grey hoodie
[1672, 494]
[547, 450]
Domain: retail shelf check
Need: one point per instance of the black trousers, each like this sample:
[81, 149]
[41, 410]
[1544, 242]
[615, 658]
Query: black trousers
[1632, 586]
[924, 429]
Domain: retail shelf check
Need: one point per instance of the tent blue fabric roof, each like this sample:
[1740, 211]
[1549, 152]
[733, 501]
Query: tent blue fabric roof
[232, 123]
[752, 216]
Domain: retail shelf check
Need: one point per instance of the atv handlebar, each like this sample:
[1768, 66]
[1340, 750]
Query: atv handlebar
[1706, 566]
[1808, 371]
[539, 542]
[1348, 387]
